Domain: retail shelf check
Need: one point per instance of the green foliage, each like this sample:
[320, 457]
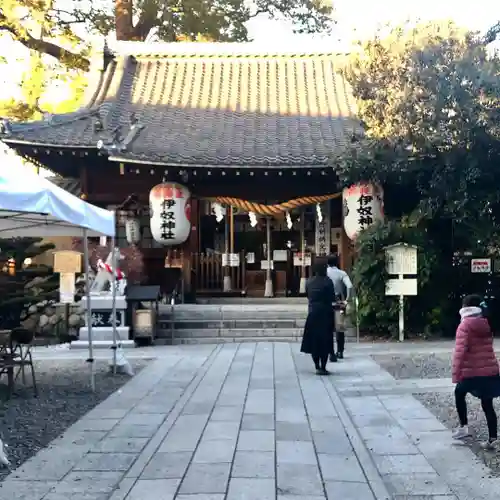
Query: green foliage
[14, 295]
[429, 101]
[429, 98]
[219, 20]
[378, 313]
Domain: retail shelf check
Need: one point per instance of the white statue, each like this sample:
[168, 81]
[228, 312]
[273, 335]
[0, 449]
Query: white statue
[104, 277]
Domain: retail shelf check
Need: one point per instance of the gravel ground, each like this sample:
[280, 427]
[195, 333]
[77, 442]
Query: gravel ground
[442, 405]
[404, 366]
[28, 424]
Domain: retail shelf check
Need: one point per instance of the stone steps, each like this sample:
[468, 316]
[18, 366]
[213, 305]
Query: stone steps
[215, 323]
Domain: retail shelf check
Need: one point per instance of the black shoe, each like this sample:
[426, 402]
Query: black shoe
[333, 358]
[340, 355]
[322, 371]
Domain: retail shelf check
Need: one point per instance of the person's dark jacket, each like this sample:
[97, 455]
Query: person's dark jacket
[318, 331]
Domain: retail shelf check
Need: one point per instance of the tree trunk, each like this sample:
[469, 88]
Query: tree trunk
[124, 19]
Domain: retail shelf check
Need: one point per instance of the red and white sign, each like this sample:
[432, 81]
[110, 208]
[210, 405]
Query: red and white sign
[480, 265]
[170, 210]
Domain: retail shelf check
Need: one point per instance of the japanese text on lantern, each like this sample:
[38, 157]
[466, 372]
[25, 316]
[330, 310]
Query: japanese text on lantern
[365, 209]
[167, 215]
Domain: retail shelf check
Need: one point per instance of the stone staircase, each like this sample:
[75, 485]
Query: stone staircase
[238, 320]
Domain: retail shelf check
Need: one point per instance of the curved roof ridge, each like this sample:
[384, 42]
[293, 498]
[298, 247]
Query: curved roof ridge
[228, 49]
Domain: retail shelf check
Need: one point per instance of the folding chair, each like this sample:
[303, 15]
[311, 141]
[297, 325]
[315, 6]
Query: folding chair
[21, 345]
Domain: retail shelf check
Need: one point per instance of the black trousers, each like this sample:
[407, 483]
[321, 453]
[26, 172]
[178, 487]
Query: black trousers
[320, 362]
[488, 409]
[340, 341]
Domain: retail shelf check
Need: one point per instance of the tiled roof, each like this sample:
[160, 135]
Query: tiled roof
[213, 104]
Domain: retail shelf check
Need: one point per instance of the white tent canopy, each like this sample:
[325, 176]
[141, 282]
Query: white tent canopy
[31, 206]
[34, 207]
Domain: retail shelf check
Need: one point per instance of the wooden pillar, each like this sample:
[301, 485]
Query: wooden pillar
[268, 291]
[303, 279]
[192, 244]
[226, 283]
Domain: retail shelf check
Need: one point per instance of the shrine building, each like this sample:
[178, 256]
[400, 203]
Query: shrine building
[244, 138]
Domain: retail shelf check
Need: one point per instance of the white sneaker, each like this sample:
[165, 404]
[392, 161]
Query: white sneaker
[461, 432]
[489, 445]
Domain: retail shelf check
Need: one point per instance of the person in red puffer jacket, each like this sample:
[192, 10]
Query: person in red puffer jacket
[475, 368]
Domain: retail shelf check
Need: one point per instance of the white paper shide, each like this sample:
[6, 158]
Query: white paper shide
[170, 212]
[363, 205]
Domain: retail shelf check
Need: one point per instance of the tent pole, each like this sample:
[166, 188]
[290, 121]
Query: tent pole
[113, 306]
[89, 308]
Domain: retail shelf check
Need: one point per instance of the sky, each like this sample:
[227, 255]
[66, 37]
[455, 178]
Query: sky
[356, 19]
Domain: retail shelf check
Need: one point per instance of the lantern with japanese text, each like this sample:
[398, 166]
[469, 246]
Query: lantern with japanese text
[170, 212]
[363, 204]
[132, 230]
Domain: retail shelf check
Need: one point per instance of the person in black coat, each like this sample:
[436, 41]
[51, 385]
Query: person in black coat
[318, 339]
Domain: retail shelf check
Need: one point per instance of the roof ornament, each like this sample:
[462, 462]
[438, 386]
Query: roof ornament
[48, 117]
[5, 128]
[113, 142]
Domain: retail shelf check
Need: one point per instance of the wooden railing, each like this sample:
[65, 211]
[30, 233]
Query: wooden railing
[208, 273]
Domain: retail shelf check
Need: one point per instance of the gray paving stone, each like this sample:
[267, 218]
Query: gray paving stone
[167, 466]
[376, 431]
[295, 479]
[80, 438]
[50, 464]
[226, 413]
[294, 497]
[295, 452]
[256, 441]
[388, 446]
[76, 496]
[120, 445]
[260, 401]
[373, 420]
[416, 484]
[206, 478]
[106, 462]
[87, 424]
[133, 430]
[201, 496]
[251, 489]
[250, 464]
[25, 490]
[221, 430]
[417, 425]
[180, 441]
[198, 408]
[153, 489]
[258, 422]
[289, 431]
[290, 414]
[154, 420]
[88, 482]
[215, 451]
[325, 424]
[341, 468]
[348, 491]
[332, 443]
[98, 414]
[403, 464]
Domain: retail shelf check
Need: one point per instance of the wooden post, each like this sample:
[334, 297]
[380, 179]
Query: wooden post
[231, 229]
[268, 291]
[303, 279]
[226, 283]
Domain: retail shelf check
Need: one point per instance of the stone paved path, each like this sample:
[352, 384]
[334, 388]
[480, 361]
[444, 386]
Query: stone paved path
[253, 422]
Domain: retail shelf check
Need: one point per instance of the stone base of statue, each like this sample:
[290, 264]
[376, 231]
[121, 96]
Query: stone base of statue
[102, 322]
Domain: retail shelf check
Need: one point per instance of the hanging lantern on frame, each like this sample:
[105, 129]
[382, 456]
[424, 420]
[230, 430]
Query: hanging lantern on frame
[170, 212]
[132, 230]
